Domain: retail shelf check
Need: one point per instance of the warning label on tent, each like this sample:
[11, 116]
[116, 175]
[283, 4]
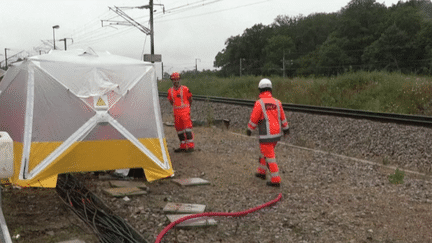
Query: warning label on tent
[100, 102]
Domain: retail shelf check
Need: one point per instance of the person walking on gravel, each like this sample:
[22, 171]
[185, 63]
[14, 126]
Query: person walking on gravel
[268, 115]
[181, 99]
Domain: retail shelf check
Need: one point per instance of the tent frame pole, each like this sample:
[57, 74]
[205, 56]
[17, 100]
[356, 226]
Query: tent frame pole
[4, 233]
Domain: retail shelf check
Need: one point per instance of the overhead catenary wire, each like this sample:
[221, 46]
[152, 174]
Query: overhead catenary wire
[84, 35]
[216, 11]
[169, 12]
[83, 30]
[104, 37]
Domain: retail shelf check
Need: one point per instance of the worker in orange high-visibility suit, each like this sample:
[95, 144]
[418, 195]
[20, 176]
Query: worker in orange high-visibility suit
[268, 115]
[181, 99]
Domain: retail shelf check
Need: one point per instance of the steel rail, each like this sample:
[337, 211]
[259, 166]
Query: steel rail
[416, 120]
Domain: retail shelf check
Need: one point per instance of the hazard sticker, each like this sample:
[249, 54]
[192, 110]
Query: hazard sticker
[101, 102]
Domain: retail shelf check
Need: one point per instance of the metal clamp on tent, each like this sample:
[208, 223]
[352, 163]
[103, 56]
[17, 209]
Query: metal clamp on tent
[89, 51]
[82, 113]
[103, 117]
[4, 233]
[6, 156]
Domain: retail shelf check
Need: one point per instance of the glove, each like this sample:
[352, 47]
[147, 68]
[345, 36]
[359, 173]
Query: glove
[248, 132]
[286, 132]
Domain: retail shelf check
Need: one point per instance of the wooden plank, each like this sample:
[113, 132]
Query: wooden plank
[183, 208]
[195, 222]
[170, 124]
[138, 184]
[191, 182]
[124, 191]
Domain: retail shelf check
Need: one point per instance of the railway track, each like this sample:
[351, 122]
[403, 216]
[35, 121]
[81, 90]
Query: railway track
[416, 120]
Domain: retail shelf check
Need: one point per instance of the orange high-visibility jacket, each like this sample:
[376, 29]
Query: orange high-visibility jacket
[180, 98]
[268, 115]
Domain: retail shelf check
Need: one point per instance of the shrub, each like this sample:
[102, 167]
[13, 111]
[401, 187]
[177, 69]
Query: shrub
[397, 177]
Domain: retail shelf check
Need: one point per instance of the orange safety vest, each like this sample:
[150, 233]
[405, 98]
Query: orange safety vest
[268, 115]
[180, 97]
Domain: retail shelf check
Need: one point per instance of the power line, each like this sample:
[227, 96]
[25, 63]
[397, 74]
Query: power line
[104, 37]
[86, 35]
[218, 11]
[95, 35]
[94, 22]
[192, 6]
[181, 9]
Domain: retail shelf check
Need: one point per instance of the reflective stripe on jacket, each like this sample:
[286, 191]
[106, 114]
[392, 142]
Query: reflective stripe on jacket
[268, 115]
[180, 97]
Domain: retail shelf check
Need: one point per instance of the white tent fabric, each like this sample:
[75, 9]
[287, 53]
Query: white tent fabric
[82, 111]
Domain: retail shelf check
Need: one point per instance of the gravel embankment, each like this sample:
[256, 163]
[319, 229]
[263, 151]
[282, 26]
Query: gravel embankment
[326, 198]
[408, 147]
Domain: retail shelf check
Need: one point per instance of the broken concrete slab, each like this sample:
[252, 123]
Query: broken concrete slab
[194, 222]
[183, 208]
[72, 241]
[124, 191]
[191, 182]
[138, 184]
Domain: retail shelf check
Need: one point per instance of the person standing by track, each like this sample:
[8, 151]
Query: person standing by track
[268, 115]
[181, 99]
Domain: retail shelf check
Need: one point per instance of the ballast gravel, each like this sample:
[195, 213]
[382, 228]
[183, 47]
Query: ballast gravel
[326, 197]
[403, 146]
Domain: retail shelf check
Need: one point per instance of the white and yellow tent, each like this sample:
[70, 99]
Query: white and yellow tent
[72, 111]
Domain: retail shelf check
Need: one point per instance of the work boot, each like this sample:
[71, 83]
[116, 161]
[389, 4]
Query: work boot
[179, 150]
[261, 176]
[269, 183]
[190, 150]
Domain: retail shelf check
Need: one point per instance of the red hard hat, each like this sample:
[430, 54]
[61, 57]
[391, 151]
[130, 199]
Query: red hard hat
[175, 76]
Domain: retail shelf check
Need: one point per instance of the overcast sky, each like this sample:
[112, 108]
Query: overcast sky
[190, 33]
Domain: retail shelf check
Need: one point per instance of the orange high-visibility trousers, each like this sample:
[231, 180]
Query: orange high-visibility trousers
[183, 126]
[268, 160]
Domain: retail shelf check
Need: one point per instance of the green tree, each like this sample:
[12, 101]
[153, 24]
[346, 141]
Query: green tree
[254, 41]
[248, 47]
[390, 50]
[424, 41]
[227, 58]
[403, 45]
[307, 32]
[406, 18]
[333, 58]
[361, 22]
[415, 17]
[308, 64]
[364, 34]
[277, 49]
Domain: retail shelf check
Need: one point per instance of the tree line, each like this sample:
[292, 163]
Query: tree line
[363, 35]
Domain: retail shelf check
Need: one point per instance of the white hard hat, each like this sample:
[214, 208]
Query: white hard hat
[265, 83]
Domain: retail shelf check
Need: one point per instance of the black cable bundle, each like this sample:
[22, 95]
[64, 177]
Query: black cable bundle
[108, 227]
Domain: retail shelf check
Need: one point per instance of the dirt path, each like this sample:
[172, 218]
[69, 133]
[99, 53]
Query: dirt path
[325, 199]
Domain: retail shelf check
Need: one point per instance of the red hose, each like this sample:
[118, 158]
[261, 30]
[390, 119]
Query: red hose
[235, 214]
